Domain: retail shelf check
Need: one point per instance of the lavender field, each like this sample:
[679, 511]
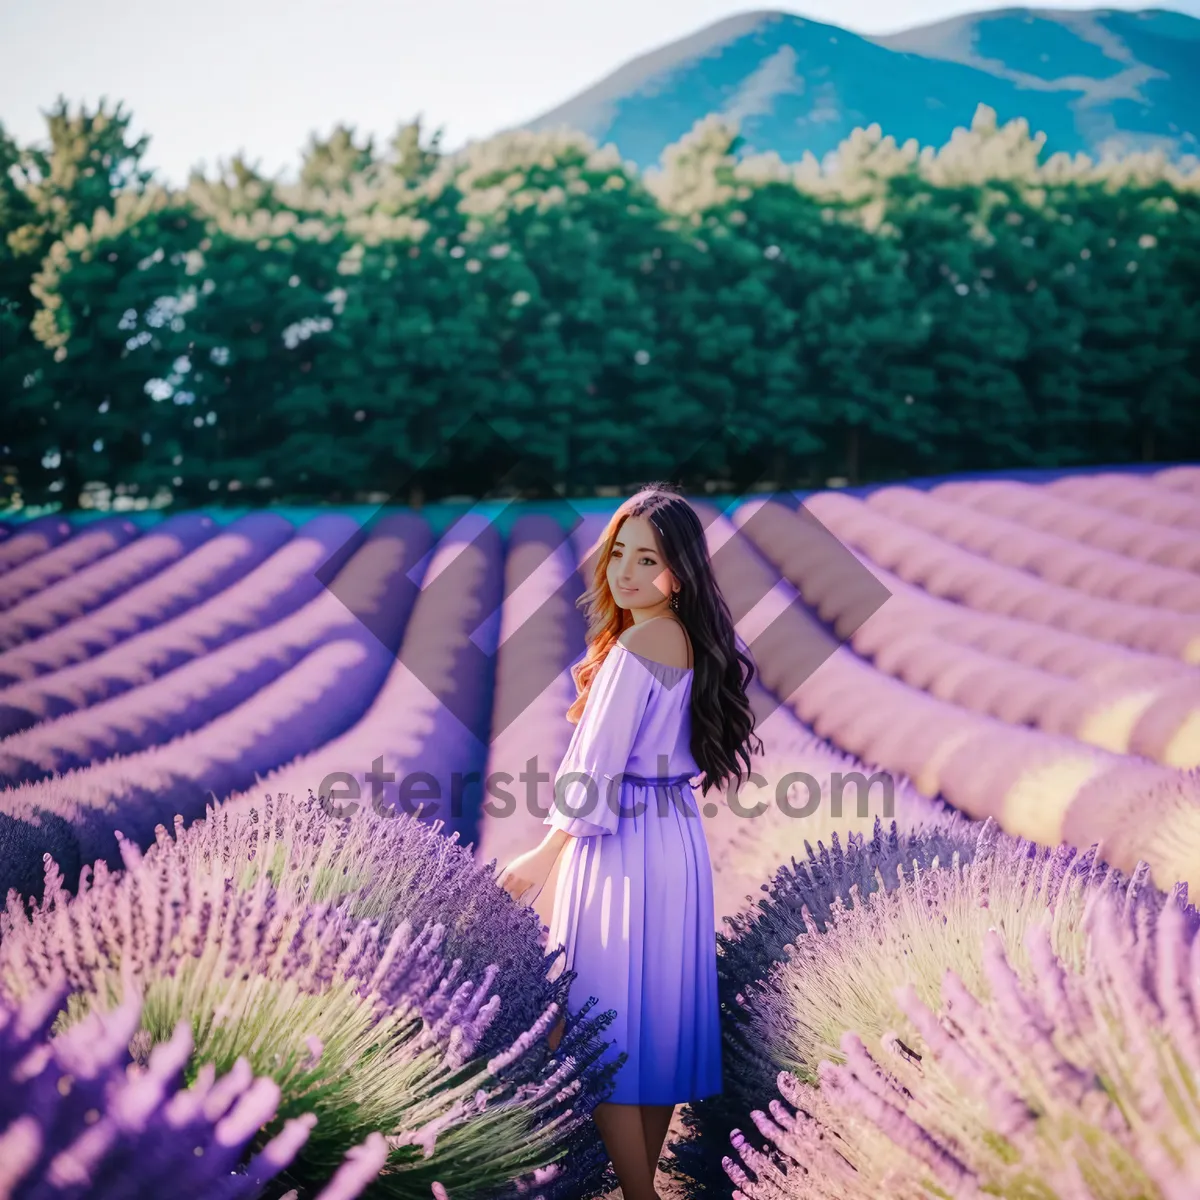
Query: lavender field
[980, 976]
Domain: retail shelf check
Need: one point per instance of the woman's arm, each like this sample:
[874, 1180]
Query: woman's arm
[556, 838]
[526, 875]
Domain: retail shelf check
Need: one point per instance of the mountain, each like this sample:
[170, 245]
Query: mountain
[1099, 81]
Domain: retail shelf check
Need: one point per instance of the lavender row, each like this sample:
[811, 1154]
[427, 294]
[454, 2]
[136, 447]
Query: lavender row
[1036, 785]
[1040, 508]
[431, 711]
[541, 633]
[1016, 670]
[1058, 559]
[73, 816]
[1182, 479]
[956, 574]
[268, 591]
[215, 561]
[1131, 496]
[799, 896]
[86, 546]
[191, 695]
[88, 589]
[32, 538]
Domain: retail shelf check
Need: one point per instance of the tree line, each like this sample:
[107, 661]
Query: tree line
[895, 311]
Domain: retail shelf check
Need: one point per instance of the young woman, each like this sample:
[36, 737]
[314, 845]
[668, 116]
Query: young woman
[662, 697]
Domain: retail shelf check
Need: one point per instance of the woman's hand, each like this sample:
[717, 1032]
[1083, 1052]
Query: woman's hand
[526, 875]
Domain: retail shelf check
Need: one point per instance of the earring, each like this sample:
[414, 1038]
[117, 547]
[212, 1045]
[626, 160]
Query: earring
[674, 601]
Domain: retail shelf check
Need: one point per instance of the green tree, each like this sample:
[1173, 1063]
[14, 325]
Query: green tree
[335, 163]
[735, 341]
[411, 155]
[77, 177]
[1137, 317]
[973, 339]
[20, 353]
[900, 311]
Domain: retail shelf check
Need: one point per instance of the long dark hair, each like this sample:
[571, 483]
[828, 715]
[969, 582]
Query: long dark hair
[722, 720]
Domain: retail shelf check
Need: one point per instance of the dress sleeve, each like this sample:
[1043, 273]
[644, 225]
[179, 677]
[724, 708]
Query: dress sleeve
[600, 747]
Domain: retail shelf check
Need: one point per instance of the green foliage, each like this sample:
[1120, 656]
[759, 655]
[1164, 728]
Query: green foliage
[905, 312]
[87, 165]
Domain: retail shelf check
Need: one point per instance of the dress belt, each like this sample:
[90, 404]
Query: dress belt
[656, 781]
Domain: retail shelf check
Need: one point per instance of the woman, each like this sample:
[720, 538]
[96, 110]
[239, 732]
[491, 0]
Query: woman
[662, 697]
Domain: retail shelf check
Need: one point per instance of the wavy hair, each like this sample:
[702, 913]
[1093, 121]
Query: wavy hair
[722, 719]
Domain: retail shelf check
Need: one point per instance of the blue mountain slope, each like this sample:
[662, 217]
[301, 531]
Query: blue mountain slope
[1101, 81]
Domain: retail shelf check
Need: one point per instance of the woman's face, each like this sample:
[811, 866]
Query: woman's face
[637, 574]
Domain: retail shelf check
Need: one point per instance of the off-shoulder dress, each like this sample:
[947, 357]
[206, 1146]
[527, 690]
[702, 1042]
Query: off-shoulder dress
[633, 905]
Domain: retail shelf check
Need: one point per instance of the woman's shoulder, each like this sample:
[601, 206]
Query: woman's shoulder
[662, 640]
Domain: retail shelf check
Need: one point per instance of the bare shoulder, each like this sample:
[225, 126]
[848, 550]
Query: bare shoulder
[662, 640]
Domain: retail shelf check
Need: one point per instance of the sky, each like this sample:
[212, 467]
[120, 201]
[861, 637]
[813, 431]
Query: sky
[206, 80]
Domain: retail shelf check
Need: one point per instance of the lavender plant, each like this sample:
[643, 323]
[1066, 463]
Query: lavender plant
[801, 898]
[844, 978]
[1059, 1083]
[264, 948]
[77, 1119]
[387, 869]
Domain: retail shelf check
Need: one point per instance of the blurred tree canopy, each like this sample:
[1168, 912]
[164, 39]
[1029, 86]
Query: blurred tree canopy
[897, 311]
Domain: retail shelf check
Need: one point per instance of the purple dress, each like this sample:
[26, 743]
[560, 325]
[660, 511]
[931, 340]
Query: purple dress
[634, 901]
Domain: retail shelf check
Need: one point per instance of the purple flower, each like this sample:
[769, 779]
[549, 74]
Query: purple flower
[1052, 1037]
[77, 1117]
[247, 926]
